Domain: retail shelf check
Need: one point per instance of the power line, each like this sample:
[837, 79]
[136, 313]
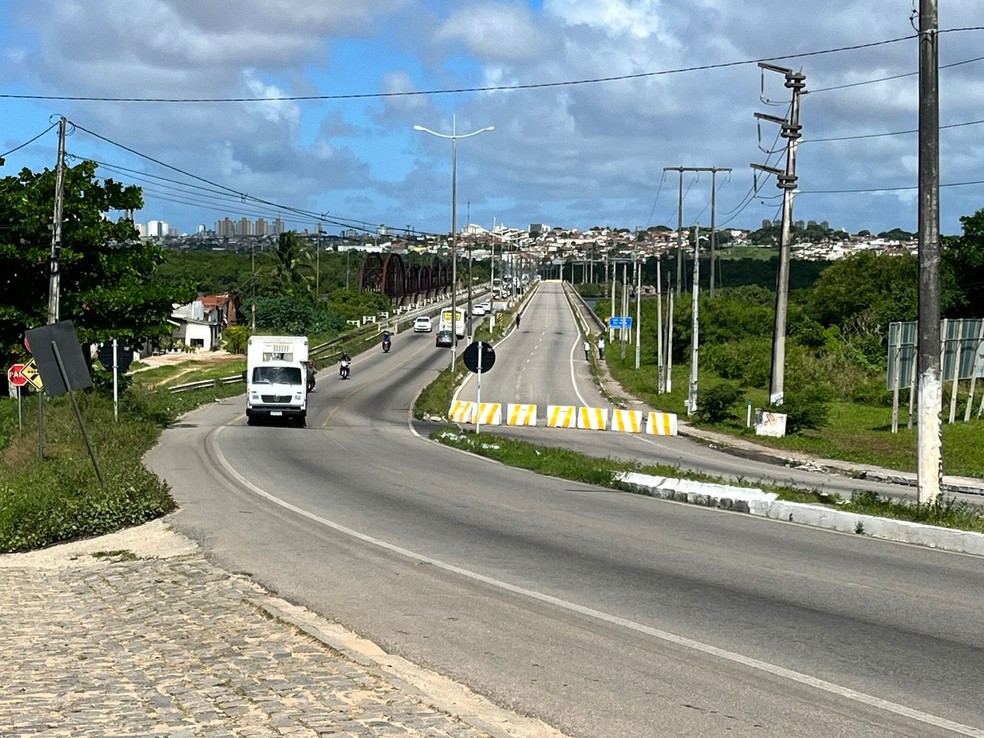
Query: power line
[849, 85]
[28, 143]
[463, 90]
[341, 222]
[888, 133]
[887, 189]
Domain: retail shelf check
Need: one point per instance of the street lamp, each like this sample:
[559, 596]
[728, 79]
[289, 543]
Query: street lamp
[454, 136]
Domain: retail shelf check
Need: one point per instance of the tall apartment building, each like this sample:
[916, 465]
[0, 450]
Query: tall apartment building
[157, 228]
[224, 228]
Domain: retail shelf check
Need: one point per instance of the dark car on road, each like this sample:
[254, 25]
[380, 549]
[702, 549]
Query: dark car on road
[444, 338]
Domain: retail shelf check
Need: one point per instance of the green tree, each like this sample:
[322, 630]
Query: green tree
[963, 259]
[292, 271]
[107, 285]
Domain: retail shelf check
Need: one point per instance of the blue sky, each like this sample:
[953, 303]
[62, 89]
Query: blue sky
[566, 150]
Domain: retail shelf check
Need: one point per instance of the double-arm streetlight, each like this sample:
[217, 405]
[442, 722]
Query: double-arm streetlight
[454, 136]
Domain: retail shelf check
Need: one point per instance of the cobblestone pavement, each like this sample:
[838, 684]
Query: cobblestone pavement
[108, 640]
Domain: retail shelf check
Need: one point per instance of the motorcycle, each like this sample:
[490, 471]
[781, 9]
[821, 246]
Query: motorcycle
[387, 342]
[310, 377]
[343, 368]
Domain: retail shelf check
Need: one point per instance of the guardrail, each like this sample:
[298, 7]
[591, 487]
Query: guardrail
[205, 383]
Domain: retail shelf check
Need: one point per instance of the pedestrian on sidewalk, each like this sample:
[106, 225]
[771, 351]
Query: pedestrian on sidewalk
[517, 320]
[601, 346]
[587, 350]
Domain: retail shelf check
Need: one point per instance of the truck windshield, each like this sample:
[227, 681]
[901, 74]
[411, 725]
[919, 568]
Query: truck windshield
[277, 375]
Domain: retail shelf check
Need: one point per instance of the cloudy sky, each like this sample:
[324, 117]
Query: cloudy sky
[263, 108]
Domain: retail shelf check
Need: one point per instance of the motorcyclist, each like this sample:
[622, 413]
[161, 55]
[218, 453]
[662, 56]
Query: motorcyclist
[387, 341]
[343, 365]
[311, 372]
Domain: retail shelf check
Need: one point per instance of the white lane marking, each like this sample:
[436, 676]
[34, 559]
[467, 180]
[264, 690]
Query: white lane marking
[721, 653]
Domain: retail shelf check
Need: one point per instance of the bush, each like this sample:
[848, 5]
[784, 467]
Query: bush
[716, 404]
[747, 361]
[808, 410]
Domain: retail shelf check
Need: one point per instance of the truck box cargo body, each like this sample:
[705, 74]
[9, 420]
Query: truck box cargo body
[276, 378]
[458, 326]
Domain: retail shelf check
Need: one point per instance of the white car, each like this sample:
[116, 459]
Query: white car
[423, 324]
[478, 309]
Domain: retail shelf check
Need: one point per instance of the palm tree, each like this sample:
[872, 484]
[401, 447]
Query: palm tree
[292, 272]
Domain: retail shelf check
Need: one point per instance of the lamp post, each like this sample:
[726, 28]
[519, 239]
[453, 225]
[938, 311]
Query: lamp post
[454, 136]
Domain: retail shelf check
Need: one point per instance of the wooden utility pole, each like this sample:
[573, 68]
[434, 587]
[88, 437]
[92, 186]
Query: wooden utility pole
[786, 181]
[929, 439]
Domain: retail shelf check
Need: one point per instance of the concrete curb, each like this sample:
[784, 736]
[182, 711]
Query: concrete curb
[765, 504]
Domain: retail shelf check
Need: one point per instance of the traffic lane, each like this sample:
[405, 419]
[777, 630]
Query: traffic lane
[522, 656]
[629, 557]
[535, 364]
[585, 675]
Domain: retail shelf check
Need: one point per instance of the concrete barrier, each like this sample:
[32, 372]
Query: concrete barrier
[661, 424]
[592, 418]
[626, 421]
[520, 414]
[490, 413]
[463, 411]
[561, 416]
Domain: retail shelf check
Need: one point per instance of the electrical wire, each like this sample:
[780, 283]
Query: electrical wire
[463, 90]
[887, 133]
[342, 222]
[28, 143]
[888, 79]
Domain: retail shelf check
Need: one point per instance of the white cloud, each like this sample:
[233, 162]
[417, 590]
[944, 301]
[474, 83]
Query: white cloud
[494, 32]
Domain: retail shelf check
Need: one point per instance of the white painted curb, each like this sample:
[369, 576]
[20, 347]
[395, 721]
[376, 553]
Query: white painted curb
[765, 504]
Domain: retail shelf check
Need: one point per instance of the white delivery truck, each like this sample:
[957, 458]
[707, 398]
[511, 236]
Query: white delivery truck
[276, 378]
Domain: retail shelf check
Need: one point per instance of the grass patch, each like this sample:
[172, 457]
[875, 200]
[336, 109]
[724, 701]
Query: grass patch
[944, 512]
[58, 498]
[855, 432]
[120, 554]
[578, 467]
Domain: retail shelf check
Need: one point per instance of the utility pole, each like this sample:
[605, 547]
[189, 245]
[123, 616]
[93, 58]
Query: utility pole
[54, 264]
[786, 181]
[638, 320]
[680, 257]
[317, 278]
[714, 171]
[692, 394]
[660, 388]
[929, 439]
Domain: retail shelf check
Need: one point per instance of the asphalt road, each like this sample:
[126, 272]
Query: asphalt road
[602, 613]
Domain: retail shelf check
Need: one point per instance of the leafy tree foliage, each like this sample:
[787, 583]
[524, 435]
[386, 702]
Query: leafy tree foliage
[290, 316]
[292, 271]
[964, 258]
[107, 286]
[897, 234]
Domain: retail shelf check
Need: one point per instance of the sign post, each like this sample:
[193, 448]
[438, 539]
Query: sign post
[16, 380]
[478, 357]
